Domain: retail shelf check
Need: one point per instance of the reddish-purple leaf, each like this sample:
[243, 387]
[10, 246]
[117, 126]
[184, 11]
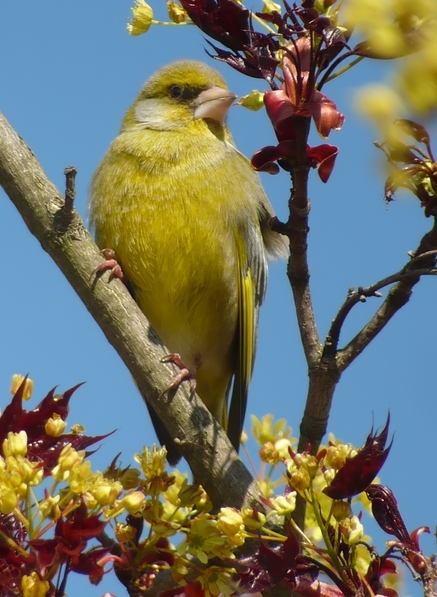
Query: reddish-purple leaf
[360, 470]
[269, 566]
[87, 563]
[43, 448]
[15, 418]
[386, 512]
[225, 21]
[323, 157]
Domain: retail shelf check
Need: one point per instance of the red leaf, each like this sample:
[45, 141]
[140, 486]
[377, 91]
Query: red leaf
[360, 470]
[325, 156]
[269, 565]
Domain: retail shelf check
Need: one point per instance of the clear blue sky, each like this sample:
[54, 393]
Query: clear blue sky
[68, 73]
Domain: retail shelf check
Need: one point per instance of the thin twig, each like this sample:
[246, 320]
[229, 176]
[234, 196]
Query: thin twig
[396, 298]
[64, 217]
[361, 294]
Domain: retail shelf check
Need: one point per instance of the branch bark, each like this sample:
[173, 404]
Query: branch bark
[64, 237]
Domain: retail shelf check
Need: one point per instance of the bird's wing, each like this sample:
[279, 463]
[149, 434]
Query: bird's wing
[252, 280]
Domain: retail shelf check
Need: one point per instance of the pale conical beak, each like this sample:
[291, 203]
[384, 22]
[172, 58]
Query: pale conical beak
[213, 103]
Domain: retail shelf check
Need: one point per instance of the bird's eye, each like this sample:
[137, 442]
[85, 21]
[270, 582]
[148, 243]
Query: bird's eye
[176, 91]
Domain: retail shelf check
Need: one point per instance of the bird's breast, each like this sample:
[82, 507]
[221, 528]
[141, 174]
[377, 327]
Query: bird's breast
[173, 230]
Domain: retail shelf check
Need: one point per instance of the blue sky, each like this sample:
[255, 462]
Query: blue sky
[69, 71]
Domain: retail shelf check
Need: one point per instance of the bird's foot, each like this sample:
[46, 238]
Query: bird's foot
[110, 263]
[185, 373]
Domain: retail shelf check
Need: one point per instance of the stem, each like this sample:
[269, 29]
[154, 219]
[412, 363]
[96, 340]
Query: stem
[332, 68]
[343, 70]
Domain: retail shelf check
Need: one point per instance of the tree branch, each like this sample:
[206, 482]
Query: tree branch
[423, 263]
[63, 235]
[409, 271]
[297, 231]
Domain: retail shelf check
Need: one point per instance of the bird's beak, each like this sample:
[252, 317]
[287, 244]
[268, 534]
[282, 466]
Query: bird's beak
[213, 103]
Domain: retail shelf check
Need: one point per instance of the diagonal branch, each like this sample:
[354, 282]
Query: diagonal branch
[410, 272]
[422, 264]
[63, 235]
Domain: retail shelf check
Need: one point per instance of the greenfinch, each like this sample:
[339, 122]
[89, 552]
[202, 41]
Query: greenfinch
[188, 221]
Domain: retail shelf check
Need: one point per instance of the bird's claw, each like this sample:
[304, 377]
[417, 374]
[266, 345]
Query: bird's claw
[185, 373]
[109, 263]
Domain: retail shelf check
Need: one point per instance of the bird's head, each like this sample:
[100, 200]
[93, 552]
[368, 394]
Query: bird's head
[177, 95]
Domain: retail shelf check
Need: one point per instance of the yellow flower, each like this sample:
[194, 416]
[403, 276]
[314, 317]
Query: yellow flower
[77, 429]
[218, 581]
[269, 454]
[164, 528]
[386, 25]
[363, 559]
[69, 458]
[8, 499]
[180, 491]
[106, 491]
[33, 586]
[205, 540]
[152, 462]
[55, 426]
[300, 479]
[22, 472]
[134, 502]
[81, 478]
[336, 455]
[266, 487]
[142, 18]
[309, 463]
[352, 530]
[282, 445]
[17, 380]
[49, 507]
[253, 519]
[176, 13]
[124, 532]
[284, 504]
[265, 431]
[202, 502]
[15, 444]
[230, 522]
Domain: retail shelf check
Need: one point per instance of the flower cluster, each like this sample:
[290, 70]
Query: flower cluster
[332, 483]
[57, 515]
[46, 523]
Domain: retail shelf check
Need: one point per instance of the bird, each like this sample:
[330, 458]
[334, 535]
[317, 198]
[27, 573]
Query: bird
[188, 222]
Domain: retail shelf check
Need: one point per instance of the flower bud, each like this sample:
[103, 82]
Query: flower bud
[176, 13]
[341, 510]
[17, 380]
[15, 444]
[55, 426]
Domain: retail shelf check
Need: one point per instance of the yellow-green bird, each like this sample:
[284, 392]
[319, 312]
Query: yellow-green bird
[188, 221]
